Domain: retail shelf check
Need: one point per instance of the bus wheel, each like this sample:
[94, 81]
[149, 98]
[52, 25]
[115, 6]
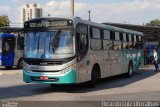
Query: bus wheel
[20, 64]
[130, 70]
[8, 67]
[92, 83]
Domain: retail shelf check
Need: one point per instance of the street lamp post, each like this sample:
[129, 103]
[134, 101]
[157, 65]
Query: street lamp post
[72, 8]
[89, 15]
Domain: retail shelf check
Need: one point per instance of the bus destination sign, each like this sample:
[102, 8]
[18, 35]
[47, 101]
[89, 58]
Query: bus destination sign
[48, 23]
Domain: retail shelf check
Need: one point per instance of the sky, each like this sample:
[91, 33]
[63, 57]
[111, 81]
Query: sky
[136, 12]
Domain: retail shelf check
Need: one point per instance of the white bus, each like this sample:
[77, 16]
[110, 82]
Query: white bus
[72, 51]
[11, 50]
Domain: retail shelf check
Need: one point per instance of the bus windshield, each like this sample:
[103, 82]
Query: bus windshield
[49, 45]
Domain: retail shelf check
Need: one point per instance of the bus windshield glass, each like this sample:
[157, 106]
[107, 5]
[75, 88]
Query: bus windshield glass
[49, 45]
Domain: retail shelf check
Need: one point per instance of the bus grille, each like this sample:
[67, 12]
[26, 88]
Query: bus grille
[49, 79]
[46, 63]
[44, 71]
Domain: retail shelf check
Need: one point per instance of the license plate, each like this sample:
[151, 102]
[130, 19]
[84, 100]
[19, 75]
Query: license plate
[44, 78]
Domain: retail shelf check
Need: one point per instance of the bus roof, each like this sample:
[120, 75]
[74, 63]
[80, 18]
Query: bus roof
[109, 27]
[105, 26]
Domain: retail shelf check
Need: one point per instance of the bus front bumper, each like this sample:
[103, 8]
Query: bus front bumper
[68, 78]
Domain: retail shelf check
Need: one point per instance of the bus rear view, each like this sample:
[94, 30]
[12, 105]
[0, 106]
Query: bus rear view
[7, 43]
[11, 50]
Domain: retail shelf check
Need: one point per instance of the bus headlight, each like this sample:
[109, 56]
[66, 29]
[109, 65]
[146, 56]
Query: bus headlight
[25, 66]
[72, 67]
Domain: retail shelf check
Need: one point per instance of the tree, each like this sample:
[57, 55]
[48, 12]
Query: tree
[155, 22]
[4, 21]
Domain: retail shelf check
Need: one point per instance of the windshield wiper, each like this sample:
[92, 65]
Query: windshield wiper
[55, 42]
[38, 44]
[49, 42]
[58, 32]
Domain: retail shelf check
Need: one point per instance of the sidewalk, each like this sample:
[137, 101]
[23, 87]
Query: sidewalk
[11, 72]
[151, 66]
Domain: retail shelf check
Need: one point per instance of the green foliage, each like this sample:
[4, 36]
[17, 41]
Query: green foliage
[155, 22]
[4, 21]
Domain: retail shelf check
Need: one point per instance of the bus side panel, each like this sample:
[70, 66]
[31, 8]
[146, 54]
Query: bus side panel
[138, 59]
[124, 61]
[83, 69]
[115, 56]
[8, 60]
[136, 56]
[19, 53]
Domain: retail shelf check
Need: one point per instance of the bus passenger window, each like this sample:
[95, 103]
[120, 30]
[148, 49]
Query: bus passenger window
[96, 34]
[107, 42]
[125, 44]
[96, 41]
[140, 38]
[140, 42]
[117, 42]
[130, 46]
[135, 42]
[107, 35]
[121, 39]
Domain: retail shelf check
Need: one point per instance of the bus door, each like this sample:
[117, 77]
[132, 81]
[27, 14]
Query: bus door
[18, 59]
[8, 51]
[82, 49]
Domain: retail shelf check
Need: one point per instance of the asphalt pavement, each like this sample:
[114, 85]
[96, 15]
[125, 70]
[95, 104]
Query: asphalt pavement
[143, 86]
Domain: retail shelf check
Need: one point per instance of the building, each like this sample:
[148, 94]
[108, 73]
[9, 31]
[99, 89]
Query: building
[30, 11]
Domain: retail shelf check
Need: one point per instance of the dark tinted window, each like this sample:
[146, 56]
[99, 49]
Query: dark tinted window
[127, 37]
[20, 42]
[8, 45]
[121, 36]
[82, 39]
[112, 35]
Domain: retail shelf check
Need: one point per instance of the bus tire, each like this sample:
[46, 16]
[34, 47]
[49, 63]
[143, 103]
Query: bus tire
[130, 70]
[92, 83]
[9, 67]
[20, 64]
